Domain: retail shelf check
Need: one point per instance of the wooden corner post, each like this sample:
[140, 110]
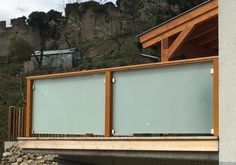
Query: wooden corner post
[108, 104]
[28, 112]
[216, 96]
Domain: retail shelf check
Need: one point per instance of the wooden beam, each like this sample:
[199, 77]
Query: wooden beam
[213, 45]
[108, 105]
[179, 41]
[10, 123]
[28, 112]
[180, 20]
[203, 40]
[216, 97]
[164, 49]
[167, 33]
[193, 51]
[204, 28]
[204, 144]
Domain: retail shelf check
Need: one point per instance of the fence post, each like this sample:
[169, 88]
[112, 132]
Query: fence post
[108, 104]
[28, 112]
[10, 122]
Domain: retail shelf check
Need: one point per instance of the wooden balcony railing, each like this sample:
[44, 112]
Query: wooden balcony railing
[178, 97]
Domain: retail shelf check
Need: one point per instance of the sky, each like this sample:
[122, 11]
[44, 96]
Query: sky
[18, 8]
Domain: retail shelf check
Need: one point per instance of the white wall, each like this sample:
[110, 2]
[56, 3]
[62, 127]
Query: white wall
[227, 40]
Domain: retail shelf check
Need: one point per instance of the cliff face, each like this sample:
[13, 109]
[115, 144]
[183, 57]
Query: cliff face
[84, 22]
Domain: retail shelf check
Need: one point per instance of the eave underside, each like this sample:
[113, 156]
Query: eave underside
[194, 34]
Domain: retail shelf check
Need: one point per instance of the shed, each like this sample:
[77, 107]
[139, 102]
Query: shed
[57, 58]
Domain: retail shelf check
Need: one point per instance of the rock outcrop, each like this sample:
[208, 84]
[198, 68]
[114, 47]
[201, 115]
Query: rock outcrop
[15, 156]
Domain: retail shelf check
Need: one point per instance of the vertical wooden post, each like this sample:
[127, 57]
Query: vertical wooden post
[164, 50]
[216, 96]
[10, 122]
[14, 123]
[108, 104]
[28, 112]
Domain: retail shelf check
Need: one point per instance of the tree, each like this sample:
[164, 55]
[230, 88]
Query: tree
[56, 23]
[49, 26]
[20, 49]
[130, 11]
[39, 21]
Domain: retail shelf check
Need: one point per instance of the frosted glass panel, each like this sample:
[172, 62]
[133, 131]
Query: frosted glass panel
[72, 105]
[173, 99]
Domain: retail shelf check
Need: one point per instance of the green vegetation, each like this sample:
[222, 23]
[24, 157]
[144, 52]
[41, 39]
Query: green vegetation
[127, 55]
[20, 50]
[12, 87]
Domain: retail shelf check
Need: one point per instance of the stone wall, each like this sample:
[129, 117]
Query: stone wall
[15, 156]
[80, 26]
[18, 29]
[89, 23]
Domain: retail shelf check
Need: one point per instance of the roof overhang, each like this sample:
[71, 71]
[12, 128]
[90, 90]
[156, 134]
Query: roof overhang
[191, 24]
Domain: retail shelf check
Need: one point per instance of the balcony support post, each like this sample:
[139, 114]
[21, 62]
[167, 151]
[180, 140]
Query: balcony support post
[28, 112]
[108, 104]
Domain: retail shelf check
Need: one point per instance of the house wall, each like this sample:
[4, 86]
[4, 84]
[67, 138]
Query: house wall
[227, 80]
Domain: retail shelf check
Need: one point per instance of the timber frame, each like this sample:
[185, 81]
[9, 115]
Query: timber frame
[108, 90]
[194, 34]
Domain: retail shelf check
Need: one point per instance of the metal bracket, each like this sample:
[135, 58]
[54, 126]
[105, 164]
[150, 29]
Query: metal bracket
[212, 131]
[113, 80]
[33, 87]
[113, 132]
[212, 71]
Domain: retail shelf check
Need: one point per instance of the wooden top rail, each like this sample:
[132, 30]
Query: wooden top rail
[124, 68]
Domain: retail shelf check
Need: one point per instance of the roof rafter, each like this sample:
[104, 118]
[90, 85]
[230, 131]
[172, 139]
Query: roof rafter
[176, 45]
[194, 17]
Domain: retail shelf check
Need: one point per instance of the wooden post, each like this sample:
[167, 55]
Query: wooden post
[10, 122]
[164, 49]
[216, 96]
[28, 112]
[108, 104]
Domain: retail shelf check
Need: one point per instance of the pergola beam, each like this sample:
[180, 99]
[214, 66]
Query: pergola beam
[179, 41]
[193, 51]
[177, 29]
[203, 40]
[208, 27]
[179, 20]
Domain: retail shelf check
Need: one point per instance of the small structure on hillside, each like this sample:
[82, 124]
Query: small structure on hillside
[56, 58]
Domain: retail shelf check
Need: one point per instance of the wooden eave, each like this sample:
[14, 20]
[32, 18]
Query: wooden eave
[188, 30]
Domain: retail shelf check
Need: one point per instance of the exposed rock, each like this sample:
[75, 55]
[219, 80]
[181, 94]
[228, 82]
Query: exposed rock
[12, 159]
[25, 157]
[39, 157]
[6, 154]
[19, 160]
[29, 161]
[24, 163]
[15, 156]
[15, 163]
